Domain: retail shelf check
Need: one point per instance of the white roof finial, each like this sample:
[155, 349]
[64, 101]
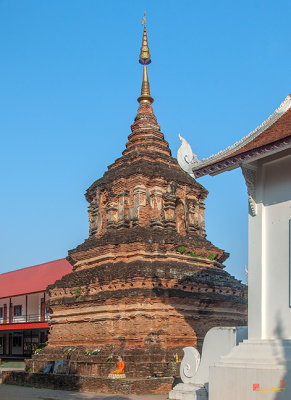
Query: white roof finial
[185, 157]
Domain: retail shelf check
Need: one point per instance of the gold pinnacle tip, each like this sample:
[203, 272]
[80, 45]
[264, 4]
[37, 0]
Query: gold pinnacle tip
[145, 59]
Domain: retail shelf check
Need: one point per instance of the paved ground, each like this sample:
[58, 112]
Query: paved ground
[11, 392]
[12, 364]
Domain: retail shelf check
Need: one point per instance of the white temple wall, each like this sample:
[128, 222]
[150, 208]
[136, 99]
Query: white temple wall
[277, 209]
[269, 306]
[255, 271]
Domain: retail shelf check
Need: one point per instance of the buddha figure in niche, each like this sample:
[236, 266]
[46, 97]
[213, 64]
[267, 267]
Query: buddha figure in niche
[118, 372]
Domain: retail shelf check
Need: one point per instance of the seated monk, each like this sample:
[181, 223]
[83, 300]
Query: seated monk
[119, 371]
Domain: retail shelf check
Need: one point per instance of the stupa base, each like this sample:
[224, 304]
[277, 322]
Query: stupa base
[83, 383]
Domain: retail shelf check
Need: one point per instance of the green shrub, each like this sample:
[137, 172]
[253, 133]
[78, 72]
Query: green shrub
[210, 256]
[181, 249]
[41, 346]
[192, 254]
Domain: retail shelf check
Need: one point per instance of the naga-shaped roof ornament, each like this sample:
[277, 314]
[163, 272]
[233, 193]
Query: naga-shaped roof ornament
[185, 157]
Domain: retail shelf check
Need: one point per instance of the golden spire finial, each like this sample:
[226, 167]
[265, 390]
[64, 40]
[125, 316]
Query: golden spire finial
[145, 59]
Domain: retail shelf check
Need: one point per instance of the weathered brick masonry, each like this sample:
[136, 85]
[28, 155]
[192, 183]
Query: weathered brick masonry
[88, 383]
[132, 291]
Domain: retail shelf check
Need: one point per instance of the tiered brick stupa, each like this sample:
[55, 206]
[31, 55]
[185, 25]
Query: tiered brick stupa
[146, 283]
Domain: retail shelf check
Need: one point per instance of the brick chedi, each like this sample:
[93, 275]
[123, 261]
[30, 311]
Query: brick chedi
[146, 283]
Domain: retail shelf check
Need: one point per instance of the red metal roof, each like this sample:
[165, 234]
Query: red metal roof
[30, 325]
[279, 130]
[33, 279]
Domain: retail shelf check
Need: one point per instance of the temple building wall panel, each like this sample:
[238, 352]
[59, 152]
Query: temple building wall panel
[273, 195]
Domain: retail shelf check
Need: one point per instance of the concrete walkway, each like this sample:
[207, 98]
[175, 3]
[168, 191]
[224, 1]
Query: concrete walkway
[11, 392]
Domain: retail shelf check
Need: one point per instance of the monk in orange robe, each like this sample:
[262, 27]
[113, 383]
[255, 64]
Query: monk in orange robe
[119, 367]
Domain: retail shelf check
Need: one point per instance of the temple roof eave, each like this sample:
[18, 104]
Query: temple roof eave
[247, 157]
[233, 156]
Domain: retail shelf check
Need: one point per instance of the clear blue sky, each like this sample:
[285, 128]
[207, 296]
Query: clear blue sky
[69, 79]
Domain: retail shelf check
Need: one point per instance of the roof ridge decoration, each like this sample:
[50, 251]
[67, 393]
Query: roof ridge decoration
[185, 157]
[282, 109]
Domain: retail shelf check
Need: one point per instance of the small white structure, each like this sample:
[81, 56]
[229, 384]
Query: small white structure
[263, 362]
[195, 373]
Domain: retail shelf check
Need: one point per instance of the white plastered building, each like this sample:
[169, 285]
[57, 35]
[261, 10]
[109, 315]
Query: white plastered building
[262, 363]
